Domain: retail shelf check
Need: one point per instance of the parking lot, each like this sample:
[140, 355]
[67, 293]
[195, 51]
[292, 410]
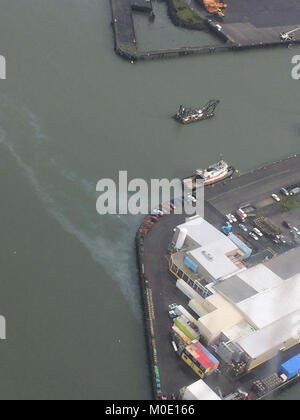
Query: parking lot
[255, 190]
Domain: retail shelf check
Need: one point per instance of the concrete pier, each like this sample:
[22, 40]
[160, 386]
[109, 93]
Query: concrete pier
[254, 24]
[159, 286]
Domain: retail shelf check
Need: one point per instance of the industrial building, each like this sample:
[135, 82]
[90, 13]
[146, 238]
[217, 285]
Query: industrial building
[199, 391]
[247, 315]
[203, 254]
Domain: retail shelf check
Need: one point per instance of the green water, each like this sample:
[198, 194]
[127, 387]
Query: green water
[71, 113]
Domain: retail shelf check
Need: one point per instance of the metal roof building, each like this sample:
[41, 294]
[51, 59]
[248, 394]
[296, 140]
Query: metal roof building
[258, 308]
[200, 391]
[270, 306]
[206, 252]
[264, 344]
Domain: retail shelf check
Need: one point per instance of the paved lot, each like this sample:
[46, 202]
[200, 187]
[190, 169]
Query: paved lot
[256, 21]
[263, 13]
[254, 187]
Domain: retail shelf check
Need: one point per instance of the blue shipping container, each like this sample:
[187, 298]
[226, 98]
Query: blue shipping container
[191, 265]
[291, 368]
[241, 245]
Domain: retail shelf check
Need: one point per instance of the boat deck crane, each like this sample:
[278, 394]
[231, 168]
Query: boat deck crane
[288, 36]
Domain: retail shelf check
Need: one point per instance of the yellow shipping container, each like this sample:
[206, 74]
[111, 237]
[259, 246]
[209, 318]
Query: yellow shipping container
[186, 359]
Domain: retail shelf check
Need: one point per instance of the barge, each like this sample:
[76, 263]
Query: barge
[190, 115]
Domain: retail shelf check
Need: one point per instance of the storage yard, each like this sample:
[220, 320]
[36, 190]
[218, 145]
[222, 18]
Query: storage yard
[239, 25]
[221, 307]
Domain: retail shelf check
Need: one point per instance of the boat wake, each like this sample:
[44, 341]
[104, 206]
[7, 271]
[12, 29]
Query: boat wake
[108, 238]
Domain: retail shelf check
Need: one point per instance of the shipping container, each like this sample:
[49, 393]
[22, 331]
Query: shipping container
[241, 245]
[183, 325]
[196, 355]
[291, 368]
[180, 310]
[186, 340]
[191, 265]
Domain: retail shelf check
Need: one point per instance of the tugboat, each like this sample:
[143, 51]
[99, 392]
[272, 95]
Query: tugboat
[190, 115]
[213, 174]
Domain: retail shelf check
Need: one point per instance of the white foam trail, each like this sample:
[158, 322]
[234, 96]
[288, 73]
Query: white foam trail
[35, 123]
[115, 255]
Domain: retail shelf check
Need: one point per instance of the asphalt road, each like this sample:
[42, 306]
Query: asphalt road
[255, 187]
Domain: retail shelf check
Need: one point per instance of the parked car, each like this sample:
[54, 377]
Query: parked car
[258, 232]
[172, 314]
[283, 239]
[252, 234]
[275, 197]
[243, 213]
[234, 219]
[243, 227]
[241, 216]
[157, 212]
[285, 192]
[172, 306]
[229, 218]
[295, 191]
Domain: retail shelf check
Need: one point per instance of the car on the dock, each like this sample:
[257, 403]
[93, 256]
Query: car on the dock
[157, 212]
[172, 306]
[241, 216]
[172, 314]
[229, 218]
[258, 232]
[233, 218]
[295, 229]
[281, 238]
[295, 191]
[215, 25]
[275, 197]
[252, 234]
[243, 227]
[285, 192]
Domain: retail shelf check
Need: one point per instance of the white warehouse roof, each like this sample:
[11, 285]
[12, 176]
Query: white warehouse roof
[202, 232]
[219, 265]
[201, 392]
[267, 307]
[261, 278]
[272, 337]
[213, 250]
